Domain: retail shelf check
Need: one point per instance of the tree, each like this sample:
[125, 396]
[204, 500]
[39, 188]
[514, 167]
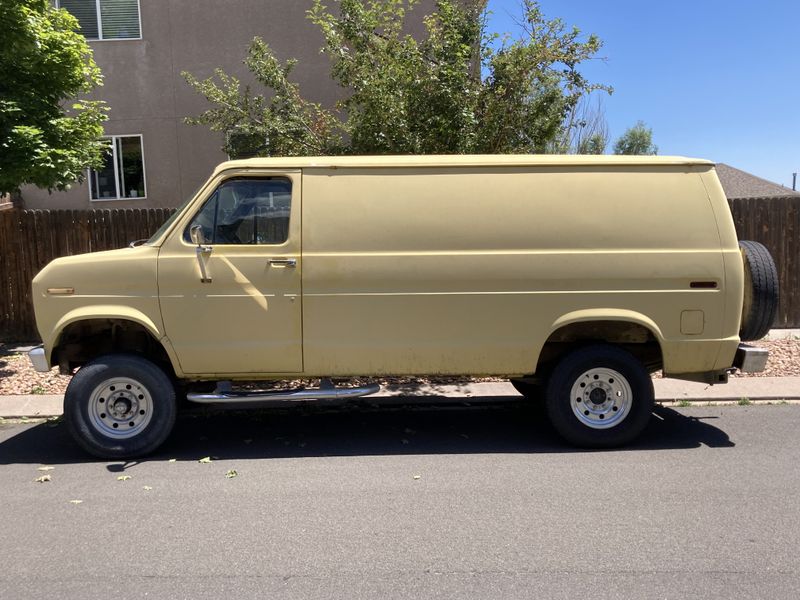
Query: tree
[636, 140]
[456, 90]
[44, 62]
[594, 144]
[585, 130]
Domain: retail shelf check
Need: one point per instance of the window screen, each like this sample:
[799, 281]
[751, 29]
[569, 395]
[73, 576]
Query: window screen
[246, 211]
[120, 19]
[86, 13]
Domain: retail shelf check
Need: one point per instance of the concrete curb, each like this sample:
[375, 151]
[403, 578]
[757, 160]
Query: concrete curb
[737, 388]
[34, 406]
[667, 390]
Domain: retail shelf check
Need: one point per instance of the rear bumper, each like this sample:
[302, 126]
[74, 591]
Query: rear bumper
[38, 358]
[750, 359]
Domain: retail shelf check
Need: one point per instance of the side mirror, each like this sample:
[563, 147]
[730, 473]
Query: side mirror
[203, 251]
[197, 236]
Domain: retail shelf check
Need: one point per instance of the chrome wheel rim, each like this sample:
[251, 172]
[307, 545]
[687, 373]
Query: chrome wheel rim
[120, 408]
[601, 398]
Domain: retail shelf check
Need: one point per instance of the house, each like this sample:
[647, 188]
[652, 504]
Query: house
[142, 46]
[740, 184]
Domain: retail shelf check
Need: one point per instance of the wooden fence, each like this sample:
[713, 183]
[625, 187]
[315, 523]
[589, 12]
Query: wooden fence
[30, 239]
[775, 222]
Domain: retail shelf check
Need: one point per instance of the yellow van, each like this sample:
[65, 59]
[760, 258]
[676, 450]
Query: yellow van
[575, 275]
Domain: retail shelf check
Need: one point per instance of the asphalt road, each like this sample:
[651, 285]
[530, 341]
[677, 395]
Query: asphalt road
[458, 503]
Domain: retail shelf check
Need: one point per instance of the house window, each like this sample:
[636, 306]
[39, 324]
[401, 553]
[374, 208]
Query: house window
[106, 19]
[122, 175]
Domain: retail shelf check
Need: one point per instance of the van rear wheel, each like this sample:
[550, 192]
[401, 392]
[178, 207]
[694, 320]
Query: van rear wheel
[599, 396]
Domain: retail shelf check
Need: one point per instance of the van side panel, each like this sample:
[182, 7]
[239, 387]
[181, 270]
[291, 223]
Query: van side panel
[466, 270]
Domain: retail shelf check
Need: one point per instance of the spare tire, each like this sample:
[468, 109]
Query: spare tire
[760, 291]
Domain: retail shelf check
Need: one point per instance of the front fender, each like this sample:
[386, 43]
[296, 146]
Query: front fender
[94, 312]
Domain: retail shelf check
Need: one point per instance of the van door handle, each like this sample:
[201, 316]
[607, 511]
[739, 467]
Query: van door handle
[283, 262]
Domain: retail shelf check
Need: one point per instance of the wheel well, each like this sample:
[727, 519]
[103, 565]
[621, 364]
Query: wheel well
[83, 341]
[633, 337]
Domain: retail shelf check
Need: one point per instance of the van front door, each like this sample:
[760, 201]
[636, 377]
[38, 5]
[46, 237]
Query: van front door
[232, 302]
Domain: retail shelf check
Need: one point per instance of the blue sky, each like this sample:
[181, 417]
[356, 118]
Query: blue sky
[717, 80]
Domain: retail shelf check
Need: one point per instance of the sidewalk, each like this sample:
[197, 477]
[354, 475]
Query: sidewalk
[667, 390]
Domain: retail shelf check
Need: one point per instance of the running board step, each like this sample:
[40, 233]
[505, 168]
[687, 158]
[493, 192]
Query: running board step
[324, 392]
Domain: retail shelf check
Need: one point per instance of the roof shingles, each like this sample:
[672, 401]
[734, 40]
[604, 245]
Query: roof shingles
[739, 184]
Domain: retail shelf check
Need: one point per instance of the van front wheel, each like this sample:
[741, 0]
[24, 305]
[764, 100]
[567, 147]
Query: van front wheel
[120, 406]
[599, 396]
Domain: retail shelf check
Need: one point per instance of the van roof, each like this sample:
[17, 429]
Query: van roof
[459, 160]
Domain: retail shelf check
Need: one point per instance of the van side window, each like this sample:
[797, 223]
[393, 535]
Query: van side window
[246, 211]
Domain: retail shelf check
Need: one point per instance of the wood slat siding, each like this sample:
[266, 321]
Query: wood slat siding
[30, 239]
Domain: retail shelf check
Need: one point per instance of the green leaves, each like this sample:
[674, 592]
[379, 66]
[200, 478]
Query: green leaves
[455, 89]
[43, 63]
[284, 125]
[636, 140]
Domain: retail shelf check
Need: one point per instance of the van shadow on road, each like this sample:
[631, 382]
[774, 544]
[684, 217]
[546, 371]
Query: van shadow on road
[303, 432]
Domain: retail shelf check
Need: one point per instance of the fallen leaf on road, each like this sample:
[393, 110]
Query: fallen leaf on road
[172, 460]
[45, 468]
[76, 501]
[232, 473]
[417, 476]
[147, 488]
[206, 459]
[43, 478]
[123, 478]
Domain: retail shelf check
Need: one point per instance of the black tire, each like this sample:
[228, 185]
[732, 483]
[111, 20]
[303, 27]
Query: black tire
[761, 296]
[120, 406]
[599, 396]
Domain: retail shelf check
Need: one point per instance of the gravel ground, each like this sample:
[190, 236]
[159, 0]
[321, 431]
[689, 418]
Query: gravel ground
[18, 377]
